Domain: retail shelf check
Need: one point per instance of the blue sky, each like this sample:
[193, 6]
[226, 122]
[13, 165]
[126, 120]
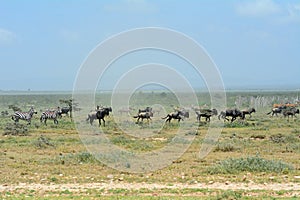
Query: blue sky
[255, 44]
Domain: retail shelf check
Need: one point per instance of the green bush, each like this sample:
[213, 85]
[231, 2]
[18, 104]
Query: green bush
[249, 164]
[43, 142]
[225, 147]
[16, 129]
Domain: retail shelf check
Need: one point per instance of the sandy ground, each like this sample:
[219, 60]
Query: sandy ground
[292, 187]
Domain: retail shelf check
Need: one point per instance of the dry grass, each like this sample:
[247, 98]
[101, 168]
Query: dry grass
[29, 159]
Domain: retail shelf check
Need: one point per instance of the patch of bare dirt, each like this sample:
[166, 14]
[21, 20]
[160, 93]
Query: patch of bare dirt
[74, 187]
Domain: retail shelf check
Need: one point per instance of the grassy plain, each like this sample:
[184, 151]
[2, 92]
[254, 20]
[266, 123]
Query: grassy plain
[257, 158]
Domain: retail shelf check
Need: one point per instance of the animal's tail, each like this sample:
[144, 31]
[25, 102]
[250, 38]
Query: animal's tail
[135, 116]
[269, 113]
[165, 117]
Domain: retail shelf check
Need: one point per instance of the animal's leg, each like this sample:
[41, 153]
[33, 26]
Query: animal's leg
[232, 119]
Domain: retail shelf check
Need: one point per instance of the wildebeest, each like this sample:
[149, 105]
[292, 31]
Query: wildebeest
[143, 115]
[248, 112]
[91, 117]
[175, 115]
[290, 112]
[24, 115]
[233, 113]
[206, 113]
[102, 113]
[276, 111]
[64, 110]
[147, 109]
[50, 114]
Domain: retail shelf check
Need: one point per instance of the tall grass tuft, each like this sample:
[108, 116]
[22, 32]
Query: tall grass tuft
[225, 147]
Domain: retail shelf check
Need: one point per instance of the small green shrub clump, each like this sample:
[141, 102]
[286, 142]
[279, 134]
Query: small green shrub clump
[17, 129]
[43, 142]
[225, 147]
[250, 164]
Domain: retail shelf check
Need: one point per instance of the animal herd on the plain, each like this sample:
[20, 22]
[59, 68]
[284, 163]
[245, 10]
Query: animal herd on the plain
[287, 110]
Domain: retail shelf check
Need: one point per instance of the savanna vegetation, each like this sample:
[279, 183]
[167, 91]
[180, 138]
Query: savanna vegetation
[253, 158]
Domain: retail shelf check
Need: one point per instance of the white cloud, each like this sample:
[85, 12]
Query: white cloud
[132, 6]
[281, 13]
[7, 37]
[258, 8]
[293, 15]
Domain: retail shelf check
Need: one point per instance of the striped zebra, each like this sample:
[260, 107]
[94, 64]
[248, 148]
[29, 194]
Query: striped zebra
[24, 115]
[50, 114]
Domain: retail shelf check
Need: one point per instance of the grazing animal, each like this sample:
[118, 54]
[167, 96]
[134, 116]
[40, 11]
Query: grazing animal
[144, 115]
[290, 112]
[233, 113]
[102, 113]
[248, 112]
[64, 110]
[276, 111]
[207, 113]
[174, 115]
[184, 113]
[24, 115]
[147, 109]
[286, 105]
[91, 117]
[50, 114]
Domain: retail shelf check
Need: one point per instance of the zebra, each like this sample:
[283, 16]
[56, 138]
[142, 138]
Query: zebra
[24, 115]
[51, 114]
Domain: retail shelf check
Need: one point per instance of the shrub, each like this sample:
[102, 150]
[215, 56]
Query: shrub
[76, 158]
[279, 138]
[16, 129]
[43, 142]
[225, 147]
[249, 164]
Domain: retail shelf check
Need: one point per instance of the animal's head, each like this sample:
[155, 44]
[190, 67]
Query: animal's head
[214, 111]
[107, 110]
[32, 110]
[151, 114]
[184, 113]
[59, 112]
[253, 110]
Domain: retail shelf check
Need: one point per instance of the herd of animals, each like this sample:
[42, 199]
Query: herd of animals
[287, 110]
